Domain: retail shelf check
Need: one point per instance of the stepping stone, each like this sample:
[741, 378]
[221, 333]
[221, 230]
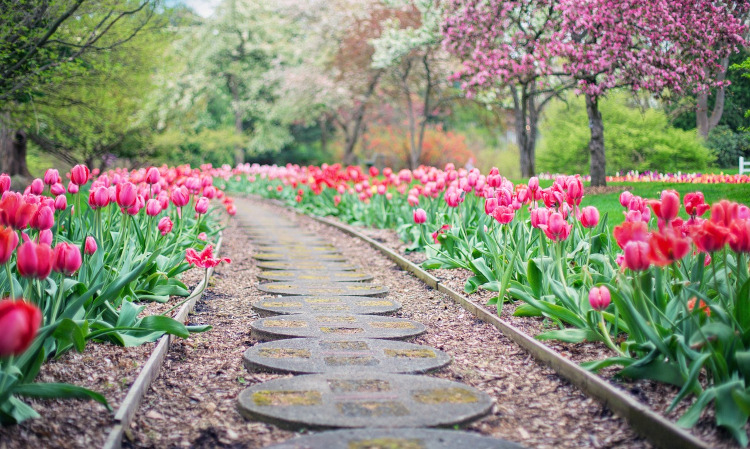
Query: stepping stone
[306, 265]
[335, 325]
[355, 305]
[309, 255]
[363, 400]
[295, 247]
[395, 439]
[323, 289]
[314, 355]
[314, 276]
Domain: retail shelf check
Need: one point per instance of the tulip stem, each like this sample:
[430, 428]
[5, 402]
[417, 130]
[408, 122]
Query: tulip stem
[6, 373]
[10, 283]
[607, 338]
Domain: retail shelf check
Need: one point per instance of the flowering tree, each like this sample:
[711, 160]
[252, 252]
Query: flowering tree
[506, 45]
[642, 45]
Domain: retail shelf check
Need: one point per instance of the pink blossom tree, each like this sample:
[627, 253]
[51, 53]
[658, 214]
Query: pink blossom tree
[505, 48]
[652, 45]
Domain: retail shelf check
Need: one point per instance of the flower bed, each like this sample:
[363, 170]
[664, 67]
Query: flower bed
[82, 261]
[663, 293]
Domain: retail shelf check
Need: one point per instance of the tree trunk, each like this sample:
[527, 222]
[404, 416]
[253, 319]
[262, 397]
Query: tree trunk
[323, 123]
[352, 136]
[524, 140]
[427, 112]
[598, 168]
[704, 123]
[12, 149]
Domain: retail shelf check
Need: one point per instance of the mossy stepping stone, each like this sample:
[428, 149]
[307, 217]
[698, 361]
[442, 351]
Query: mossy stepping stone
[309, 255]
[323, 289]
[335, 325]
[363, 400]
[355, 305]
[306, 265]
[314, 355]
[314, 276]
[395, 439]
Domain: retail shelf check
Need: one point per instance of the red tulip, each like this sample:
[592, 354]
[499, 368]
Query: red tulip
[724, 212]
[66, 258]
[710, 237]
[636, 255]
[204, 259]
[666, 247]
[232, 210]
[420, 216]
[589, 216]
[739, 236]
[702, 306]
[668, 207]
[630, 231]
[374, 171]
[34, 261]
[79, 175]
[19, 321]
[8, 243]
[15, 211]
[599, 298]
[4, 183]
[695, 204]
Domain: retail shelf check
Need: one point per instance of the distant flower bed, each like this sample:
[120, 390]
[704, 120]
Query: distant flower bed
[81, 255]
[686, 178]
[669, 296]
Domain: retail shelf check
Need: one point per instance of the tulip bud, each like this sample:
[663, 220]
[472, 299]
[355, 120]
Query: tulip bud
[19, 321]
[599, 298]
[66, 258]
[8, 243]
[420, 216]
[44, 218]
[51, 176]
[72, 187]
[153, 207]
[90, 246]
[180, 196]
[45, 237]
[636, 255]
[79, 175]
[201, 207]
[4, 183]
[34, 261]
[625, 198]
[202, 236]
[165, 225]
[57, 189]
[589, 216]
[37, 186]
[152, 175]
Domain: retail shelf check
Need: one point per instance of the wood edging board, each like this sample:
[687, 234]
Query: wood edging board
[150, 371]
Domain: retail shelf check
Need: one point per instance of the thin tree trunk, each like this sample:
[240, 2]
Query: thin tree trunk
[12, 149]
[426, 113]
[704, 123]
[598, 168]
[525, 144]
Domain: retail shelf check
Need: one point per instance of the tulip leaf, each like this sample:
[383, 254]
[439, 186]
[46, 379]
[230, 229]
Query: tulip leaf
[526, 310]
[570, 335]
[14, 411]
[655, 370]
[534, 276]
[596, 365]
[68, 332]
[55, 390]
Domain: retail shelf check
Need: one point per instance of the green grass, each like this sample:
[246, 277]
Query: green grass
[609, 203]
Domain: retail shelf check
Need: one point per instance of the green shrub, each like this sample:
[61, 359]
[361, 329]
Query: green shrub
[728, 145]
[634, 139]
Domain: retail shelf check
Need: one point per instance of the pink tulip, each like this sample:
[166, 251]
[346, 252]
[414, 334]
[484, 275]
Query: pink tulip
[45, 237]
[4, 183]
[72, 187]
[636, 255]
[34, 261]
[51, 176]
[589, 217]
[57, 189]
[180, 196]
[126, 194]
[66, 258]
[165, 225]
[625, 198]
[8, 243]
[503, 214]
[539, 217]
[557, 228]
[37, 186]
[79, 175]
[153, 207]
[599, 298]
[44, 218]
[19, 321]
[90, 246]
[152, 175]
[420, 216]
[201, 207]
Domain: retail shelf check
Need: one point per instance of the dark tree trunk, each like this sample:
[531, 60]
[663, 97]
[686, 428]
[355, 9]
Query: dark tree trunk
[598, 168]
[12, 149]
[704, 122]
[525, 124]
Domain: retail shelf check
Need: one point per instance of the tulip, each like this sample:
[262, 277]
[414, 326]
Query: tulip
[126, 194]
[45, 237]
[668, 207]
[489, 205]
[702, 306]
[575, 190]
[66, 258]
[44, 218]
[152, 175]
[599, 298]
[503, 214]
[557, 228]
[19, 321]
[201, 206]
[15, 211]
[99, 197]
[165, 225]
[180, 196]
[539, 217]
[37, 186]
[636, 255]
[630, 231]
[420, 216]
[533, 183]
[137, 206]
[739, 236]
[57, 189]
[710, 237]
[209, 192]
[34, 261]
[204, 259]
[153, 207]
[589, 216]
[90, 246]
[8, 243]
[51, 176]
[625, 198]
[695, 205]
[232, 210]
[724, 212]
[79, 175]
[667, 247]
[202, 236]
[61, 202]
[4, 183]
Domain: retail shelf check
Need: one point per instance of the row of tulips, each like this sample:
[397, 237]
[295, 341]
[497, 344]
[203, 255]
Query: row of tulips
[669, 296]
[82, 256]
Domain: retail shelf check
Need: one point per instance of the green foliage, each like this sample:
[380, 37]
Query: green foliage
[635, 139]
[728, 145]
[208, 146]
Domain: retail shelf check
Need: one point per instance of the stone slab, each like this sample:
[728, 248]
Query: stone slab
[355, 305]
[314, 355]
[363, 400]
[396, 439]
[295, 247]
[323, 289]
[335, 325]
[309, 255]
[314, 276]
[306, 265]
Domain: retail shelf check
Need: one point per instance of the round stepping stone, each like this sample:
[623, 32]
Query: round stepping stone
[355, 305]
[314, 276]
[314, 355]
[321, 289]
[335, 325]
[363, 400]
[289, 255]
[296, 248]
[395, 439]
[306, 265]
